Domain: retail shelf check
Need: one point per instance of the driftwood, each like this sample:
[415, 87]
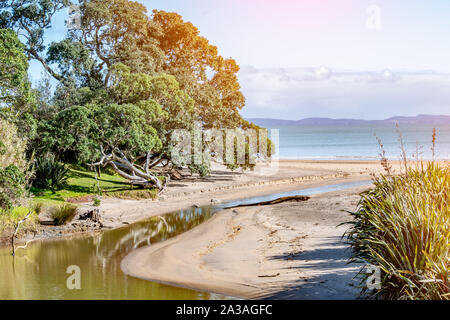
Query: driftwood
[16, 231]
[269, 275]
[276, 201]
[93, 215]
[134, 173]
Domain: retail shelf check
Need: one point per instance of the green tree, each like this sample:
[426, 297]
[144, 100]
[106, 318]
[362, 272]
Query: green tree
[155, 73]
[14, 84]
[30, 19]
[202, 73]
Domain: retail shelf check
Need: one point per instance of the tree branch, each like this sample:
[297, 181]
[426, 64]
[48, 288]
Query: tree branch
[17, 230]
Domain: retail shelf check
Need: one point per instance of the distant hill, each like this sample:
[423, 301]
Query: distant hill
[420, 119]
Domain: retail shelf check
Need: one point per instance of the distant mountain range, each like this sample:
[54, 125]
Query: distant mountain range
[420, 119]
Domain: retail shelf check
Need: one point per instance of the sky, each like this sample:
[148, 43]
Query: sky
[328, 58]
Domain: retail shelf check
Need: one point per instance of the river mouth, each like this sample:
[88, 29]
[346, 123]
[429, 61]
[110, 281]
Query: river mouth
[39, 272]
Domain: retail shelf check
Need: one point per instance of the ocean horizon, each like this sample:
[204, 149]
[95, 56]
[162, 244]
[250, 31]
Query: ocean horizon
[358, 142]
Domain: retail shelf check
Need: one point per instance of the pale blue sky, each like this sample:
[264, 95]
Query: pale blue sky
[319, 58]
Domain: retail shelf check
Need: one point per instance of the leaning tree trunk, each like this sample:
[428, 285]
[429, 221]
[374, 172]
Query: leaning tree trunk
[135, 174]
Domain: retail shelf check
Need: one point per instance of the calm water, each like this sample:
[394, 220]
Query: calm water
[39, 271]
[358, 142]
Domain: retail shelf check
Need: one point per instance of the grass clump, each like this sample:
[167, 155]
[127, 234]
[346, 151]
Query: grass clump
[8, 221]
[63, 213]
[402, 226]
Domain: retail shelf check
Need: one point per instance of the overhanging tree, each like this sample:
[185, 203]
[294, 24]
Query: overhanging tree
[155, 73]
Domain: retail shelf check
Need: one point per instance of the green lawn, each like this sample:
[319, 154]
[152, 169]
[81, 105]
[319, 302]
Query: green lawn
[81, 183]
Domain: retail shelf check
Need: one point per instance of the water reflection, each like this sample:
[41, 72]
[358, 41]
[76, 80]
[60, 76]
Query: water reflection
[39, 271]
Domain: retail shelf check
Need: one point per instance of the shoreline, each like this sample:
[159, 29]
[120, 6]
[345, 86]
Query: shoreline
[221, 186]
[259, 252]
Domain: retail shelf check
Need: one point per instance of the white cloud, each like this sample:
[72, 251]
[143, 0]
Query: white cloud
[294, 93]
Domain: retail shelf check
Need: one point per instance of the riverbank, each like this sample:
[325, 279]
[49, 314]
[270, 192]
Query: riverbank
[222, 185]
[283, 251]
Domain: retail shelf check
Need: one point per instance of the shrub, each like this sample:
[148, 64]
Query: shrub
[402, 226]
[63, 213]
[50, 174]
[203, 170]
[37, 207]
[12, 182]
[12, 147]
[12, 166]
[97, 202]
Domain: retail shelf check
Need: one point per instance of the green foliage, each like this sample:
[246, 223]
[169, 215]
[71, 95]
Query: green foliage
[13, 68]
[70, 134]
[12, 182]
[403, 227]
[63, 213]
[32, 18]
[203, 170]
[12, 146]
[72, 57]
[97, 202]
[203, 74]
[127, 127]
[126, 80]
[120, 31]
[12, 166]
[50, 174]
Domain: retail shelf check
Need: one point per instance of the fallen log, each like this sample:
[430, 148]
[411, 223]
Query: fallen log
[276, 201]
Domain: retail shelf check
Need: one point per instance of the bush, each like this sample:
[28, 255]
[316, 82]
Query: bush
[12, 166]
[203, 170]
[50, 174]
[12, 147]
[12, 182]
[63, 213]
[402, 226]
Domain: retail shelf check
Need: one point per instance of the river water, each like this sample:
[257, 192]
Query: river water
[39, 271]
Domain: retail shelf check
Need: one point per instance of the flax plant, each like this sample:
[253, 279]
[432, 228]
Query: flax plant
[402, 226]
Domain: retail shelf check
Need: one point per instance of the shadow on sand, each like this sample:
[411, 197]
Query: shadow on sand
[324, 273]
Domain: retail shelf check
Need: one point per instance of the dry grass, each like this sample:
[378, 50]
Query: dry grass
[63, 213]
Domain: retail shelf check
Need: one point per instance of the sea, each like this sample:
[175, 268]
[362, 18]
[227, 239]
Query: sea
[359, 142]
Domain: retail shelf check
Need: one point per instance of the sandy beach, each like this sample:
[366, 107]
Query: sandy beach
[224, 185]
[291, 250]
[283, 251]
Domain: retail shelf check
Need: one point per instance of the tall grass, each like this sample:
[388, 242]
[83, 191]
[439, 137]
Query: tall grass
[63, 213]
[402, 226]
